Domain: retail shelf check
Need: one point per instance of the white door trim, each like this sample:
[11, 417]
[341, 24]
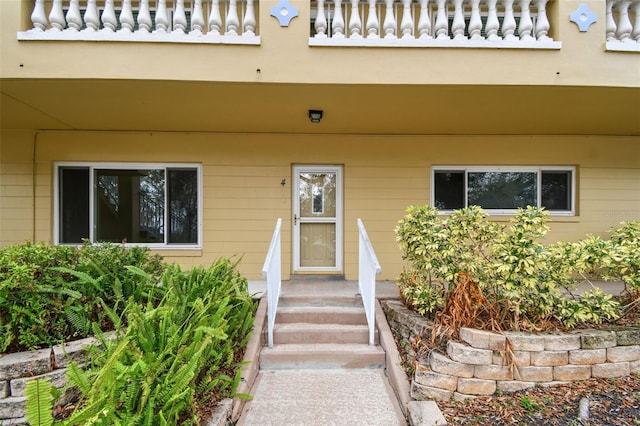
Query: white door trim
[295, 217]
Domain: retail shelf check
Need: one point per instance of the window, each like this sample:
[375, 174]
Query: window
[502, 190]
[318, 198]
[150, 204]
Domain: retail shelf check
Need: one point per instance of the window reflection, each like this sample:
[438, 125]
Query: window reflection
[502, 190]
[183, 206]
[130, 206]
[556, 190]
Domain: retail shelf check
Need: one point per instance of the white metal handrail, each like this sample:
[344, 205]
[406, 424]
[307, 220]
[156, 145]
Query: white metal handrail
[272, 272]
[368, 269]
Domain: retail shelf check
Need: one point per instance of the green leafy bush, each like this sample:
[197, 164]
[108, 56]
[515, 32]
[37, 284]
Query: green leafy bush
[50, 294]
[504, 276]
[171, 354]
[593, 307]
[623, 259]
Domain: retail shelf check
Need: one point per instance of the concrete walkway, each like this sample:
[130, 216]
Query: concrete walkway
[322, 397]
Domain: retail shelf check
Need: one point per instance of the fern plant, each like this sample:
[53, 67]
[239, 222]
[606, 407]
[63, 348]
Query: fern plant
[40, 396]
[171, 353]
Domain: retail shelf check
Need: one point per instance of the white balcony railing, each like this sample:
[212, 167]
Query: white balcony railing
[368, 269]
[432, 23]
[175, 21]
[623, 25]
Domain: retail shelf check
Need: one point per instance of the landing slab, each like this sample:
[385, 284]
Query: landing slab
[322, 397]
[309, 287]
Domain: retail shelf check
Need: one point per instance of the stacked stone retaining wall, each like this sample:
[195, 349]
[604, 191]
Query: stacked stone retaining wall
[478, 365]
[16, 369]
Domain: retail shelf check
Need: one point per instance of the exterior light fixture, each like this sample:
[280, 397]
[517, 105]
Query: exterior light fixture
[315, 115]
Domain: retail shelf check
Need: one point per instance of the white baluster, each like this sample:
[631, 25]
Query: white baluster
[493, 25]
[406, 25]
[611, 23]
[475, 23]
[355, 23]
[73, 16]
[56, 16]
[320, 24]
[457, 27]
[509, 22]
[442, 23]
[636, 26]
[338, 21]
[126, 17]
[623, 32]
[215, 19]
[232, 21]
[39, 16]
[424, 23]
[372, 20]
[526, 24]
[91, 18]
[179, 18]
[542, 22]
[109, 20]
[144, 17]
[197, 18]
[249, 21]
[162, 17]
[389, 26]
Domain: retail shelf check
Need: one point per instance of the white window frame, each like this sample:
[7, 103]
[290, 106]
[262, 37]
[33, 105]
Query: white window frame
[522, 169]
[92, 166]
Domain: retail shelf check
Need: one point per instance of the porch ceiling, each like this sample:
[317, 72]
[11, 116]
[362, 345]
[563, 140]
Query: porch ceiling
[144, 105]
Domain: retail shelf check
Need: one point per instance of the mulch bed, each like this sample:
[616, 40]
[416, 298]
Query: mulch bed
[614, 402]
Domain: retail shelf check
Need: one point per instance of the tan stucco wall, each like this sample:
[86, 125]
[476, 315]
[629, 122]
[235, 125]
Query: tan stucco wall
[382, 176]
[284, 56]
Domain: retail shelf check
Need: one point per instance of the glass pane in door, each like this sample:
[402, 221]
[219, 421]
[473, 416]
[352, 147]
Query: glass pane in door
[317, 244]
[317, 195]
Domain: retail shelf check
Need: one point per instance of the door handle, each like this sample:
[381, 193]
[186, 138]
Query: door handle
[295, 219]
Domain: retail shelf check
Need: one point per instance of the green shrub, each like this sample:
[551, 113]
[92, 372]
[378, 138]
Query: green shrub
[593, 307]
[171, 354]
[424, 297]
[517, 280]
[50, 294]
[623, 263]
[34, 296]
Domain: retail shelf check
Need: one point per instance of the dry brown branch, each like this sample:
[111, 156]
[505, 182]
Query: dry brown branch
[464, 307]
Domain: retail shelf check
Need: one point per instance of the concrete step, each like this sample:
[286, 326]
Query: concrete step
[320, 315]
[321, 356]
[319, 300]
[321, 333]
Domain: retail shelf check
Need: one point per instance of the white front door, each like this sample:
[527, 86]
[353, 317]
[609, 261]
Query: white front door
[317, 218]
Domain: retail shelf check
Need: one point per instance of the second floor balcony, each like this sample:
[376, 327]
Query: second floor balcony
[529, 24]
